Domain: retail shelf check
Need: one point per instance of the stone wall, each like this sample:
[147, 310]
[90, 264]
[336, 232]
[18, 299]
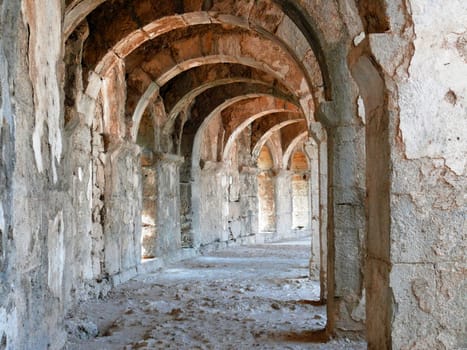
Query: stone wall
[300, 202]
[428, 152]
[378, 87]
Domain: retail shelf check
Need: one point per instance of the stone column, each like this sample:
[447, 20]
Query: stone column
[323, 217]
[346, 230]
[266, 205]
[122, 225]
[161, 205]
[312, 152]
[283, 195]
[249, 200]
[167, 185]
[210, 204]
[149, 228]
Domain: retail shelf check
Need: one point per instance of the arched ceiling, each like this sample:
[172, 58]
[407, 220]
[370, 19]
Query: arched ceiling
[195, 59]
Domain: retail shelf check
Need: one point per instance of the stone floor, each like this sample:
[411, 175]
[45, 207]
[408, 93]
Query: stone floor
[256, 297]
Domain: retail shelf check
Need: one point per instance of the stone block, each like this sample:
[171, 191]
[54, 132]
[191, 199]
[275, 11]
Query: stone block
[430, 306]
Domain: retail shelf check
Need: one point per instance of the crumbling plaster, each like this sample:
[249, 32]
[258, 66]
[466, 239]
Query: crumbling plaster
[421, 67]
[391, 147]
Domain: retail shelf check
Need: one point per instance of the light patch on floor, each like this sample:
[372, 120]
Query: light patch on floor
[256, 297]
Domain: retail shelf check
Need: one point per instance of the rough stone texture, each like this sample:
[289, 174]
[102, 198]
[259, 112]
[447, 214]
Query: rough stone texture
[283, 199]
[427, 249]
[122, 225]
[266, 199]
[168, 204]
[94, 95]
[213, 209]
[149, 212]
[300, 202]
[437, 117]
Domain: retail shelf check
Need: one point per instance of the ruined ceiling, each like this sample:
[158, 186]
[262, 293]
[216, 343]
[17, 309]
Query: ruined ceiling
[187, 63]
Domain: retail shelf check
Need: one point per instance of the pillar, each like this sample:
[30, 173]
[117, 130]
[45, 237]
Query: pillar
[210, 196]
[346, 230]
[284, 210]
[122, 222]
[249, 200]
[312, 151]
[167, 218]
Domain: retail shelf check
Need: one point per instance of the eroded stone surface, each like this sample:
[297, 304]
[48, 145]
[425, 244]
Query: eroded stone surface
[129, 129]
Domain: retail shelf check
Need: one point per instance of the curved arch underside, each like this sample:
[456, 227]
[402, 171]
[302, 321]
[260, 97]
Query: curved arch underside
[177, 51]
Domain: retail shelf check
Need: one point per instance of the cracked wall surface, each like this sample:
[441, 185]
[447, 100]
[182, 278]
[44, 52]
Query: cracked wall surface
[133, 130]
[428, 178]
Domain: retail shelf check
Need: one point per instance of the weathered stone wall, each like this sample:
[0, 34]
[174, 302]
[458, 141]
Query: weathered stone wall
[9, 70]
[210, 205]
[52, 188]
[34, 205]
[283, 200]
[122, 224]
[424, 63]
[167, 204]
[70, 177]
[267, 202]
[149, 212]
[300, 201]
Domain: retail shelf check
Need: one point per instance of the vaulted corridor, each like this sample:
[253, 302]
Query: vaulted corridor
[138, 133]
[249, 297]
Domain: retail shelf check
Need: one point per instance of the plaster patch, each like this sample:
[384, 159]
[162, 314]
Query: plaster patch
[361, 109]
[2, 219]
[56, 254]
[359, 314]
[36, 146]
[5, 103]
[359, 38]
[432, 126]
[9, 326]
[282, 69]
[461, 46]
[45, 47]
[80, 174]
[89, 192]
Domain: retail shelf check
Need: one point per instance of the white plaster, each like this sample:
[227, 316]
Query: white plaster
[5, 106]
[89, 191]
[86, 106]
[36, 146]
[361, 109]
[2, 218]
[9, 326]
[56, 254]
[80, 174]
[44, 56]
[308, 108]
[359, 38]
[430, 125]
[148, 96]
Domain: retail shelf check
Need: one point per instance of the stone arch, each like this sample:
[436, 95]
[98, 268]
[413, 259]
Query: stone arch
[248, 119]
[291, 147]
[328, 112]
[200, 131]
[153, 88]
[78, 11]
[284, 122]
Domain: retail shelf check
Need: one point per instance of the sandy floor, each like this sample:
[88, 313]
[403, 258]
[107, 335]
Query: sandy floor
[255, 297]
